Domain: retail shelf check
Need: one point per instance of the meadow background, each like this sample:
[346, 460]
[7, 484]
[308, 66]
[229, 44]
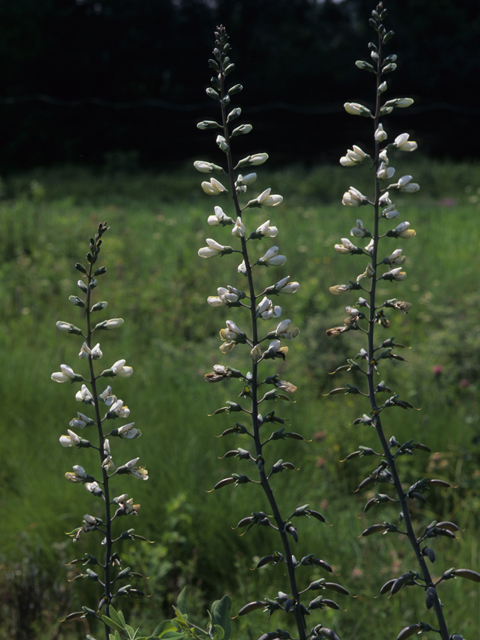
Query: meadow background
[159, 285]
[98, 106]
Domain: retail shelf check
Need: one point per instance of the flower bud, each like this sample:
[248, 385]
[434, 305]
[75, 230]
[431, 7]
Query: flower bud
[222, 143]
[380, 134]
[207, 167]
[208, 124]
[214, 188]
[68, 328]
[355, 109]
[213, 249]
[403, 144]
[242, 130]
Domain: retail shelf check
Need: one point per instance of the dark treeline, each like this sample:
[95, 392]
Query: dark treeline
[80, 79]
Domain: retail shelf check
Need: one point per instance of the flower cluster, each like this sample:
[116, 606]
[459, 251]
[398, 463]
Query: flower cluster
[98, 482]
[368, 313]
[260, 311]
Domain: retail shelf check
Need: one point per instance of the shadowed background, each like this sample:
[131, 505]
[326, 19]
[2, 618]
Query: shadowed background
[82, 80]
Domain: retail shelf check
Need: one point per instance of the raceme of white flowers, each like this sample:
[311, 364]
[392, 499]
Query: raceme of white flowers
[96, 479]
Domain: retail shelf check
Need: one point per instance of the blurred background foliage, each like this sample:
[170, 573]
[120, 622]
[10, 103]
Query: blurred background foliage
[81, 79]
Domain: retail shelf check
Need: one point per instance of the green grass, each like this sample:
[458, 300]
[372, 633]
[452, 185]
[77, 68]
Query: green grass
[157, 283]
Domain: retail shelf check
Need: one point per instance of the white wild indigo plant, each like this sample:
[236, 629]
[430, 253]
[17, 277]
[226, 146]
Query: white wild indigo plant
[104, 408]
[259, 387]
[367, 314]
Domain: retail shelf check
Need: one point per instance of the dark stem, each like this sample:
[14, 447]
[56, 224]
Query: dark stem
[371, 382]
[299, 619]
[101, 441]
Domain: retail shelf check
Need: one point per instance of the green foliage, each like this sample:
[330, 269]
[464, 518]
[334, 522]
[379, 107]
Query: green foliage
[47, 238]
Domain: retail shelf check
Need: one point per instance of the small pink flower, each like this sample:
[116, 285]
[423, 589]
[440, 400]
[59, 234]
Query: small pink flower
[464, 383]
[437, 370]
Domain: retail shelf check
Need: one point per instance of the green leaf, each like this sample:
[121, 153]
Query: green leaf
[221, 616]
[163, 627]
[117, 617]
[182, 601]
[218, 632]
[111, 623]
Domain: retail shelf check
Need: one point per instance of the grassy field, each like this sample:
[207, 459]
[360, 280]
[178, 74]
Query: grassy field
[157, 283]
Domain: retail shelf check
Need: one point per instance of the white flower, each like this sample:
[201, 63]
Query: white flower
[380, 133]
[128, 431]
[359, 231]
[225, 296]
[119, 409]
[284, 286]
[345, 247]
[272, 259]
[266, 230]
[257, 159]
[403, 144]
[72, 440]
[395, 274]
[222, 143]
[266, 200]
[266, 310]
[232, 332]
[214, 249]
[84, 395]
[107, 396]
[219, 219]
[65, 375]
[247, 180]
[396, 257]
[79, 475]
[284, 331]
[213, 188]
[384, 200]
[85, 351]
[403, 231]
[355, 109]
[390, 212]
[113, 323]
[242, 268]
[230, 336]
[403, 103]
[119, 369]
[239, 228]
[93, 487]
[203, 167]
[137, 472]
[353, 157]
[81, 421]
[353, 198]
[68, 327]
[369, 247]
[385, 172]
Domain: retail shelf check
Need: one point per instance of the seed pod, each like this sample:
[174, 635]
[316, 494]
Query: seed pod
[327, 633]
[322, 564]
[430, 597]
[251, 606]
[387, 587]
[375, 528]
[430, 553]
[400, 582]
[336, 587]
[223, 483]
[450, 526]
[408, 631]
[438, 483]
[317, 515]
[468, 574]
[264, 561]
